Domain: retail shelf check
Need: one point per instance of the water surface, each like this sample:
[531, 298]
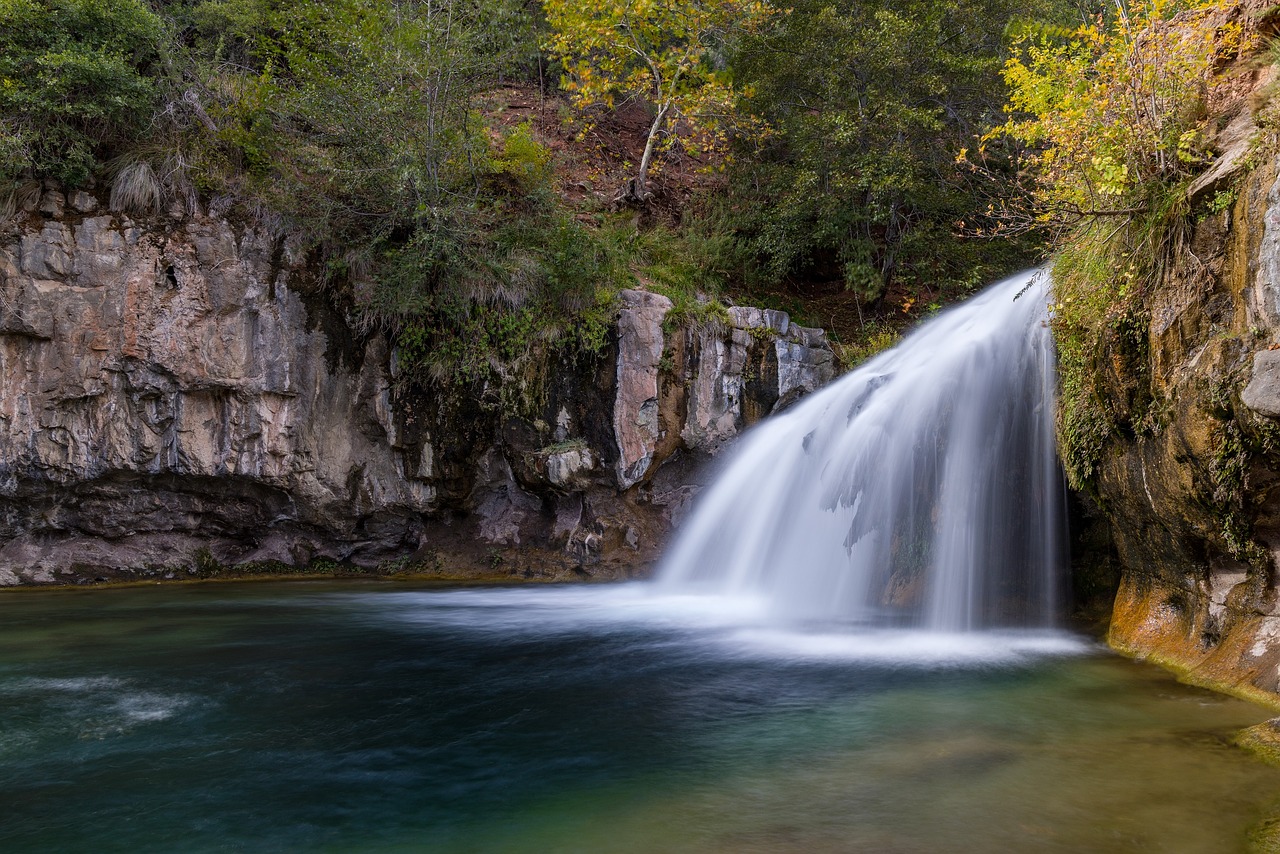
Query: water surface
[383, 717]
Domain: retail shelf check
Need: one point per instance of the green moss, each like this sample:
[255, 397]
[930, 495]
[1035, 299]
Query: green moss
[205, 566]
[562, 447]
[876, 338]
[430, 562]
[495, 307]
[1237, 443]
[1101, 276]
[1086, 296]
[1264, 837]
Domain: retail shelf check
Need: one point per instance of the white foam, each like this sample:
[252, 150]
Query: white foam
[539, 610]
[102, 703]
[907, 648]
[76, 685]
[720, 626]
[146, 707]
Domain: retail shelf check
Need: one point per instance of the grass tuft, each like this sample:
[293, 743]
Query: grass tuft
[136, 189]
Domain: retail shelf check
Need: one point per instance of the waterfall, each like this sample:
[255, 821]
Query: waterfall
[921, 489]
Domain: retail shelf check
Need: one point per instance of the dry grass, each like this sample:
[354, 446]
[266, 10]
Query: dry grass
[18, 196]
[136, 189]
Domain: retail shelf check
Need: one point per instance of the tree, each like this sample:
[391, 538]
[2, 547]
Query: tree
[667, 52]
[1117, 117]
[869, 102]
[353, 120]
[1113, 110]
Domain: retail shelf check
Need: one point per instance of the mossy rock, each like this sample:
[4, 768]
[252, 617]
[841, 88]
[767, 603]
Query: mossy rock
[1264, 837]
[1263, 741]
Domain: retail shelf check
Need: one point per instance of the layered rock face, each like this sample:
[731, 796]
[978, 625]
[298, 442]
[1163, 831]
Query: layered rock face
[175, 393]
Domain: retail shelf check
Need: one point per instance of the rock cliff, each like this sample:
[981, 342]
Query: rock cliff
[1189, 488]
[177, 395]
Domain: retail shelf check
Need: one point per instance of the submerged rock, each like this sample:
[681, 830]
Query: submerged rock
[1263, 740]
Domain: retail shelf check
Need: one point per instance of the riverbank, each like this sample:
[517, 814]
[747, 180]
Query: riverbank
[500, 572]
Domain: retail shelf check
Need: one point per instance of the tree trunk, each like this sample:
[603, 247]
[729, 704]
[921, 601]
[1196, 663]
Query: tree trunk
[637, 189]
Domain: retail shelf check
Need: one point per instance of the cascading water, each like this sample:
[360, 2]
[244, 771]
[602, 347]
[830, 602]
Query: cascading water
[922, 488]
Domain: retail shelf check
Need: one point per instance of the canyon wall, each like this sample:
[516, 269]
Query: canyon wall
[178, 397]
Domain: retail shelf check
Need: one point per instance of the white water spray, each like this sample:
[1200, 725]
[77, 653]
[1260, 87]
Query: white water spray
[921, 489]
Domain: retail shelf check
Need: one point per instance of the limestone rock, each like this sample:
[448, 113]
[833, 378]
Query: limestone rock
[1262, 394]
[635, 418]
[504, 507]
[715, 392]
[568, 520]
[52, 203]
[1193, 499]
[566, 467]
[176, 356]
[1234, 141]
[176, 394]
[1262, 299]
[82, 202]
[732, 369]
[805, 362]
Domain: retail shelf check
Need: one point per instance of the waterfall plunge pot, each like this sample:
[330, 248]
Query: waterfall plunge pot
[921, 489]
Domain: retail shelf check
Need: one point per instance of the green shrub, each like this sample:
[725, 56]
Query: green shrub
[875, 339]
[474, 299]
[74, 82]
[1117, 108]
[525, 160]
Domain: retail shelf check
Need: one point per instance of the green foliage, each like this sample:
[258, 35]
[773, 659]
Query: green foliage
[876, 338]
[869, 103]
[361, 121]
[1102, 275]
[1239, 444]
[1222, 200]
[1228, 476]
[352, 128]
[699, 257]
[476, 306]
[75, 82]
[525, 160]
[354, 121]
[688, 311]
[1114, 114]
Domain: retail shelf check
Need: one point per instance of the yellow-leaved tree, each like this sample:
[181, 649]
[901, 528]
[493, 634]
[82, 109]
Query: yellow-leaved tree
[1112, 111]
[1115, 115]
[667, 52]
